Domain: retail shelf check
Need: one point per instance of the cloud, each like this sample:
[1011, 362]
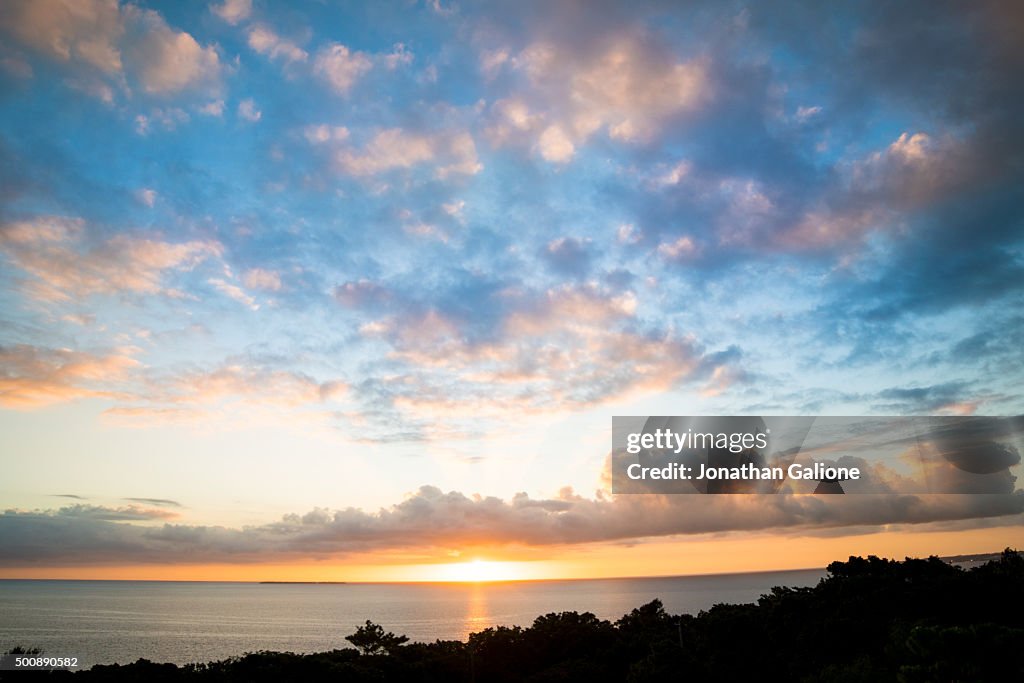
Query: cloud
[624, 85]
[340, 67]
[399, 56]
[440, 521]
[147, 196]
[158, 502]
[131, 513]
[568, 256]
[491, 61]
[555, 145]
[395, 148]
[265, 385]
[213, 108]
[16, 66]
[681, 249]
[628, 233]
[247, 110]
[195, 394]
[233, 11]
[165, 60]
[322, 133]
[263, 40]
[260, 278]
[567, 347]
[947, 398]
[361, 293]
[32, 377]
[63, 263]
[86, 31]
[168, 118]
[105, 47]
[234, 292]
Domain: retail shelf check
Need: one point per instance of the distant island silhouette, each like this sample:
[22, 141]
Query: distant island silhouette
[870, 619]
[304, 583]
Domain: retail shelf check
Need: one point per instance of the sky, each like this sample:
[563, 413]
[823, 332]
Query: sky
[352, 291]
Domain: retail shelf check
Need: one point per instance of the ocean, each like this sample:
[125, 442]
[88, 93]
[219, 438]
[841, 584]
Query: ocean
[102, 622]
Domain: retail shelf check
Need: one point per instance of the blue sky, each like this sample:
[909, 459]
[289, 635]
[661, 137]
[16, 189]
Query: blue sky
[265, 257]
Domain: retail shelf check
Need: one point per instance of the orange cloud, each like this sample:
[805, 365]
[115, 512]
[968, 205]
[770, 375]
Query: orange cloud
[31, 377]
[436, 524]
[395, 148]
[629, 89]
[64, 264]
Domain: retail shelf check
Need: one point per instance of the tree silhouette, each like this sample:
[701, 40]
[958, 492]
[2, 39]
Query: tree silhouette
[872, 620]
[371, 639]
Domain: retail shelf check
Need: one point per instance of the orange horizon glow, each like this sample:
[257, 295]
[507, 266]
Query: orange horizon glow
[649, 558]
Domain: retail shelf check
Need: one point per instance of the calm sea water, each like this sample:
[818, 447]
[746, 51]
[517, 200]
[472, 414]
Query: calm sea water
[121, 621]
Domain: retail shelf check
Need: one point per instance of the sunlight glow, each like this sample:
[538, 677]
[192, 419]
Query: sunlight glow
[477, 571]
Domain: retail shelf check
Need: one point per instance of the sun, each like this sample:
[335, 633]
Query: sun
[478, 571]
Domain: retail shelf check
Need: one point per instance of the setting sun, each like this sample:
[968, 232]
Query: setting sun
[477, 571]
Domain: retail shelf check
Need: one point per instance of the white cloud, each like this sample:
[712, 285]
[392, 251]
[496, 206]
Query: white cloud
[455, 209]
[259, 278]
[628, 234]
[147, 196]
[395, 148]
[672, 175]
[679, 249]
[233, 11]
[263, 40]
[340, 67]
[491, 62]
[319, 134]
[399, 56]
[214, 108]
[234, 292]
[630, 89]
[555, 145]
[247, 110]
[807, 113]
[166, 60]
[460, 153]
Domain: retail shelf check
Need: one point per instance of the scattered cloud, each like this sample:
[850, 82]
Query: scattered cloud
[340, 67]
[260, 278]
[629, 88]
[213, 108]
[234, 292]
[395, 148]
[248, 110]
[107, 47]
[63, 262]
[166, 60]
[233, 11]
[147, 196]
[263, 40]
[32, 377]
[399, 56]
[88, 33]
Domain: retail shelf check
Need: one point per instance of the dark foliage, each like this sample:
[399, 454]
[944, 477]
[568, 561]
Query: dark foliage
[869, 620]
